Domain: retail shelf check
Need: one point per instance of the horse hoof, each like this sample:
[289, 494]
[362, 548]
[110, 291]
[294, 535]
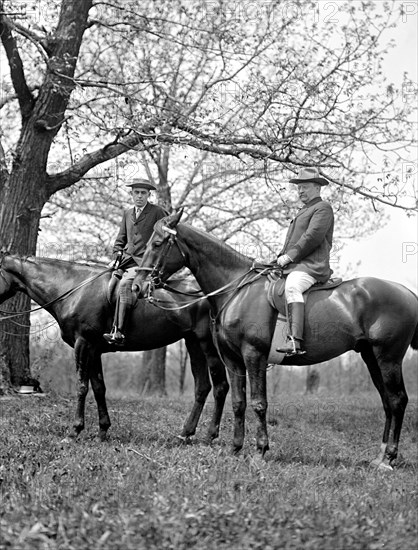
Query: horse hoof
[262, 450]
[185, 439]
[258, 461]
[209, 439]
[211, 435]
[383, 466]
[102, 437]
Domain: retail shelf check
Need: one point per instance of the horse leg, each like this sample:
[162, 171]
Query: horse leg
[238, 381]
[99, 390]
[219, 383]
[398, 399]
[256, 368]
[387, 377]
[89, 367]
[220, 391]
[202, 386]
[81, 362]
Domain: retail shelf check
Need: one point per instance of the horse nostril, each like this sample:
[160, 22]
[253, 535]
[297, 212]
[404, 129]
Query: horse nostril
[135, 289]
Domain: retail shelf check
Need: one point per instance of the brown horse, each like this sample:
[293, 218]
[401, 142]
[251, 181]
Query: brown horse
[85, 313]
[376, 318]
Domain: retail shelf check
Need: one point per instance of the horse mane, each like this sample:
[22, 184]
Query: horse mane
[63, 263]
[237, 256]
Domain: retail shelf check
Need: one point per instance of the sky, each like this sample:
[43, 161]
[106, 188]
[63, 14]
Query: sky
[392, 252]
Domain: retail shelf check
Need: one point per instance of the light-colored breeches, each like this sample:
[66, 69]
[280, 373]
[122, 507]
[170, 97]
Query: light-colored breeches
[297, 282]
[125, 288]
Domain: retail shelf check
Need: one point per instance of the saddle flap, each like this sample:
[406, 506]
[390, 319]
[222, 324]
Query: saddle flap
[113, 286]
[275, 293]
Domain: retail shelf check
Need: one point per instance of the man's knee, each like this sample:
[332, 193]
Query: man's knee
[125, 290]
[125, 283]
[293, 294]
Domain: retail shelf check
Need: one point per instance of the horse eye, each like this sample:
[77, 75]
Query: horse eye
[157, 244]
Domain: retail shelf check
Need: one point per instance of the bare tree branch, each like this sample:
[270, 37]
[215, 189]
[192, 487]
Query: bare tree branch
[24, 95]
[71, 175]
[12, 97]
[40, 42]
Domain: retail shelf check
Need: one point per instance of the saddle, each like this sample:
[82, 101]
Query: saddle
[117, 274]
[275, 290]
[113, 286]
[181, 283]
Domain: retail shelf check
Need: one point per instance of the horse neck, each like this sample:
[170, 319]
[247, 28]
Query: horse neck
[42, 281]
[213, 263]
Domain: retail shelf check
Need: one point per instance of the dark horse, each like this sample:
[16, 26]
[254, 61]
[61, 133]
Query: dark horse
[85, 314]
[376, 318]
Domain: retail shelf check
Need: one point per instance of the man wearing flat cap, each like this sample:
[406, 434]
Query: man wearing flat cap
[135, 230]
[306, 252]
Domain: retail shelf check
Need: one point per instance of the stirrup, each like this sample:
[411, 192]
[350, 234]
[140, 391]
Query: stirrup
[293, 347]
[115, 337]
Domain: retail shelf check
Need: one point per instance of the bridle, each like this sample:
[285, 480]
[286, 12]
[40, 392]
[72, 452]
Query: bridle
[156, 272]
[158, 269]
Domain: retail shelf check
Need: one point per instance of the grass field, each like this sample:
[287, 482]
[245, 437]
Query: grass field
[141, 489]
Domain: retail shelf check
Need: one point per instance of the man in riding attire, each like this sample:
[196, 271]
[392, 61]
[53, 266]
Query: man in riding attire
[306, 252]
[135, 230]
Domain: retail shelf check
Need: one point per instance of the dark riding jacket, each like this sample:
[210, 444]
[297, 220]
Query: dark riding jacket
[134, 233]
[309, 240]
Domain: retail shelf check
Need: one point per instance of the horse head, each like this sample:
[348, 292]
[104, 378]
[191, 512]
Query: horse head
[163, 255]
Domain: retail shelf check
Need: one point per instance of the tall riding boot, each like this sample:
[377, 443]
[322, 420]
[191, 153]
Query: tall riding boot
[116, 336]
[296, 319]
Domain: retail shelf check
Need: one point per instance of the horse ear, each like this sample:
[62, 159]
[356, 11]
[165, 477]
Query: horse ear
[175, 218]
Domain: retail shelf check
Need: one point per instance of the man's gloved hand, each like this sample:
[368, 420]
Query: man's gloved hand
[283, 260]
[116, 260]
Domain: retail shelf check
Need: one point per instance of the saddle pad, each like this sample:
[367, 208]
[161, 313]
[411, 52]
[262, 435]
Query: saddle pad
[275, 291]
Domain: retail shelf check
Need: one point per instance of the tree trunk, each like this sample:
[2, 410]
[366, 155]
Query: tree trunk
[154, 361]
[24, 190]
[154, 370]
[20, 209]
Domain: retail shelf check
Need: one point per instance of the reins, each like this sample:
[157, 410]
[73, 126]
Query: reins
[236, 284]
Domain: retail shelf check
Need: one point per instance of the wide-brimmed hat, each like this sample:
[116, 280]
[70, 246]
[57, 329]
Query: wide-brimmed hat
[309, 175]
[145, 184]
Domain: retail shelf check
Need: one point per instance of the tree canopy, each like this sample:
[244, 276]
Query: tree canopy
[285, 83]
